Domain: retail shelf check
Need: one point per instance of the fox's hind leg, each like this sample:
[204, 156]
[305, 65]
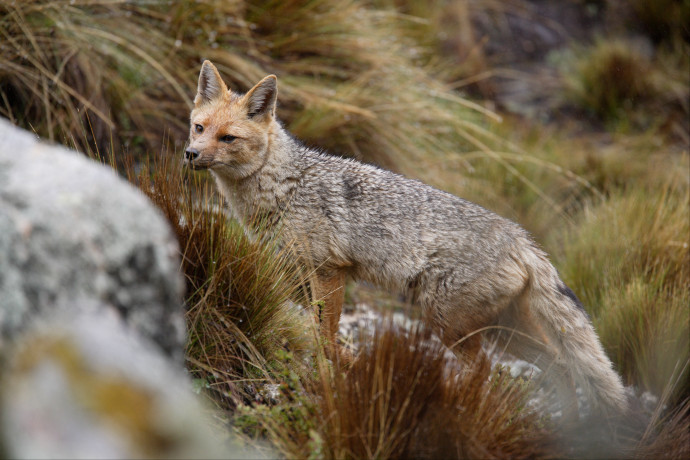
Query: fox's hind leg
[460, 317]
[465, 343]
[328, 294]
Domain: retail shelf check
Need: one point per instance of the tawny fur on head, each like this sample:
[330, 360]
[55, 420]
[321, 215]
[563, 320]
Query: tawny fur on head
[230, 132]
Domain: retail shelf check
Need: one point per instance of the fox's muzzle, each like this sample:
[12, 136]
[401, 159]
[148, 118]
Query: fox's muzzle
[192, 159]
[191, 154]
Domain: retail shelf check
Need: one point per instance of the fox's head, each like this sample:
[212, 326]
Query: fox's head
[230, 132]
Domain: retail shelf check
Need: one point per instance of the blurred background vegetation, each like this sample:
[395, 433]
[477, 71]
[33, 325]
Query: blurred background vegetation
[569, 117]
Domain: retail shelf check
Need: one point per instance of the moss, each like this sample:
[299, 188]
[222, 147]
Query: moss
[109, 398]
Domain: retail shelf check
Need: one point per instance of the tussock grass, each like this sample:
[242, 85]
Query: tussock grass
[237, 286]
[402, 399]
[539, 179]
[629, 260]
[666, 436]
[347, 77]
[609, 78]
[628, 83]
[89, 63]
[443, 39]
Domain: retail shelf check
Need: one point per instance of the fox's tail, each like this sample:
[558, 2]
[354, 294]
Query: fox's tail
[569, 329]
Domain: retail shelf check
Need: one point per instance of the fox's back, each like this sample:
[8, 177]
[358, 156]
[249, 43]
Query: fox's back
[389, 228]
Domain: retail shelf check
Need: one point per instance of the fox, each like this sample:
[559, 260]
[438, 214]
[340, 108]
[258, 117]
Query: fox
[467, 268]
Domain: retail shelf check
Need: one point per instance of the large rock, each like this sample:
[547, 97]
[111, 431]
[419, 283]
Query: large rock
[91, 313]
[88, 387]
[73, 235]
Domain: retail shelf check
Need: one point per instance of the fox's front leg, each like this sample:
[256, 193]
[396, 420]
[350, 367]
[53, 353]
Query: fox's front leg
[328, 294]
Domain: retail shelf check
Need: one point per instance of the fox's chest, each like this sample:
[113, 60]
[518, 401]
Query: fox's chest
[258, 203]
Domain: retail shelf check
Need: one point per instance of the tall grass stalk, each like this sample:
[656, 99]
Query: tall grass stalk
[238, 286]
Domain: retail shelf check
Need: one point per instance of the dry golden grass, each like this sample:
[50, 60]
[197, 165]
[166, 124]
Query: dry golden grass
[630, 261]
[347, 78]
[237, 286]
[86, 72]
[667, 436]
[610, 78]
[402, 399]
[630, 85]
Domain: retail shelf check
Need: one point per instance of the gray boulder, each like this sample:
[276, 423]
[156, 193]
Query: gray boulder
[88, 387]
[75, 236]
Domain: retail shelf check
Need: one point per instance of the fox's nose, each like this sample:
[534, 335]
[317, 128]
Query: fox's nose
[191, 154]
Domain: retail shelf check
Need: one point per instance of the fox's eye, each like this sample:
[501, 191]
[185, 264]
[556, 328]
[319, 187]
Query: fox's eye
[227, 138]
[199, 129]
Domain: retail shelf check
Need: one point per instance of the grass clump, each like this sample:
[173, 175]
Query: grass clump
[627, 84]
[86, 72]
[610, 78]
[237, 287]
[667, 436]
[402, 399]
[348, 81]
[630, 261]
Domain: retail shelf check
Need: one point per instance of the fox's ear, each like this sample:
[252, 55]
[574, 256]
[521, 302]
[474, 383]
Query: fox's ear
[261, 99]
[211, 86]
